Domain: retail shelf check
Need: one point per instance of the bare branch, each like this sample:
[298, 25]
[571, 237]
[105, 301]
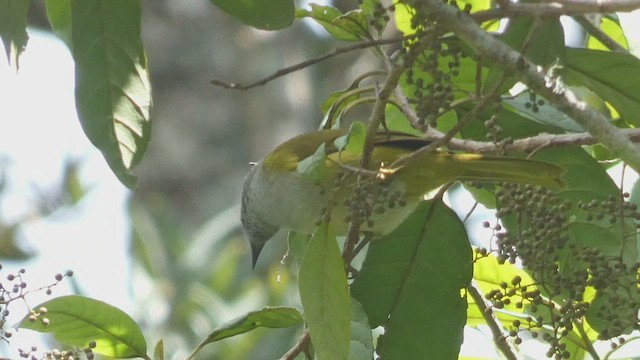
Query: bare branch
[307, 63]
[562, 98]
[529, 144]
[557, 8]
[492, 322]
[300, 347]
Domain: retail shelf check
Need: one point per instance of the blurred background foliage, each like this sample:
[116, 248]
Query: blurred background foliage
[191, 266]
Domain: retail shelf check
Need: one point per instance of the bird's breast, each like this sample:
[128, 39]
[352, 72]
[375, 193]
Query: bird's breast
[292, 201]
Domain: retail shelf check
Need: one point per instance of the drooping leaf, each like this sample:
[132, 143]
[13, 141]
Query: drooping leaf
[325, 296]
[13, 28]
[77, 320]
[611, 75]
[270, 317]
[113, 94]
[261, 14]
[411, 283]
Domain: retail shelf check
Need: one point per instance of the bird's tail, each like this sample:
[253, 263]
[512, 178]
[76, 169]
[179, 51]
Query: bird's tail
[472, 167]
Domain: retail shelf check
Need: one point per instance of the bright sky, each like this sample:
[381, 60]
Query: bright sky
[40, 131]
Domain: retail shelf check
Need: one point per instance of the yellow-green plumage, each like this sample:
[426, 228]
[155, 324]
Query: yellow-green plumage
[275, 195]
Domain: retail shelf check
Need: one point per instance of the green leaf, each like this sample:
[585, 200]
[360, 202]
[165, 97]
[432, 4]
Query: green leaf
[77, 320]
[546, 114]
[611, 26]
[261, 14]
[403, 15]
[361, 344]
[113, 94]
[13, 28]
[325, 297]
[606, 239]
[353, 142]
[411, 284]
[352, 26]
[158, 351]
[315, 167]
[611, 75]
[59, 15]
[269, 317]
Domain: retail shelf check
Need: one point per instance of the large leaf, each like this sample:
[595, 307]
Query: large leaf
[77, 320]
[411, 283]
[612, 75]
[59, 15]
[13, 28]
[113, 94]
[261, 14]
[325, 296]
[544, 45]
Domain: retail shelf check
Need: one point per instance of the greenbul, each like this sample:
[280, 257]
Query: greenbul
[277, 195]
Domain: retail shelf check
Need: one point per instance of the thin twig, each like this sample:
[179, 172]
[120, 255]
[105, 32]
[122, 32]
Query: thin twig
[299, 347]
[598, 34]
[492, 322]
[307, 63]
[586, 341]
[556, 8]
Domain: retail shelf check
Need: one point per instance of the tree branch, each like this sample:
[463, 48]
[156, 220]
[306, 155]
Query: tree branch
[541, 141]
[562, 98]
[557, 8]
[492, 322]
[299, 347]
[306, 63]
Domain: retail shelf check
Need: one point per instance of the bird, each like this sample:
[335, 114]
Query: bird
[277, 195]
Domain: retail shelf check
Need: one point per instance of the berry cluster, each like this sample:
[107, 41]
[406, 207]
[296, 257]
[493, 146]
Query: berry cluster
[56, 354]
[494, 133]
[380, 15]
[370, 197]
[434, 70]
[534, 103]
[432, 76]
[540, 236]
[16, 289]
